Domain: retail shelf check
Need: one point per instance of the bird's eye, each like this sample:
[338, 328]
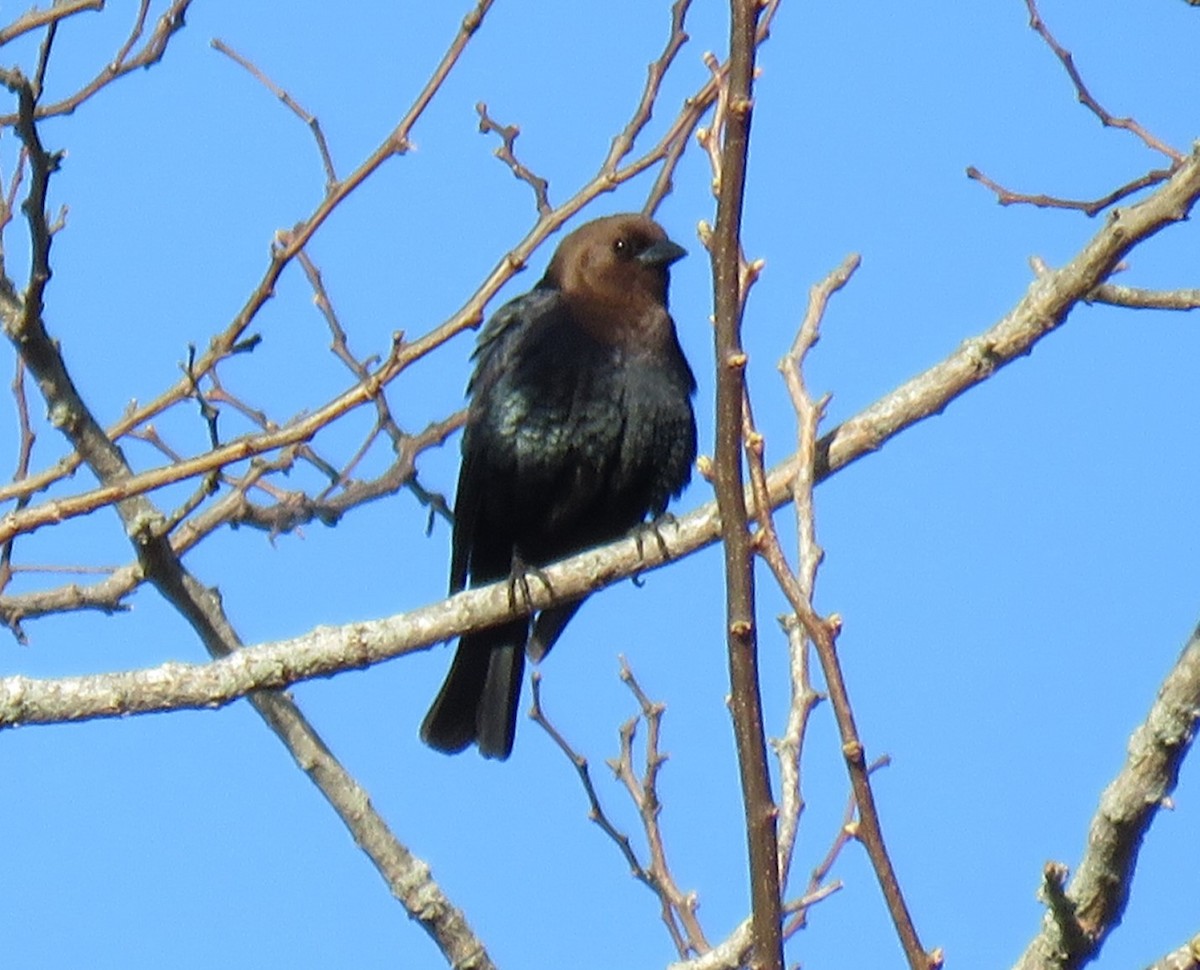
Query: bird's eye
[621, 247]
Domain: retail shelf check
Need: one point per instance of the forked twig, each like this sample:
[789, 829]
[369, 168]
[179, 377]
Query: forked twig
[678, 909]
[507, 154]
[168, 24]
[1007, 196]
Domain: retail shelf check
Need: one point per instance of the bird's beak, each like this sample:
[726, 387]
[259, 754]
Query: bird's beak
[662, 253]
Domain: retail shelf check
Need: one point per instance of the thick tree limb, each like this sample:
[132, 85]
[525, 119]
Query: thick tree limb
[1187, 957]
[1082, 915]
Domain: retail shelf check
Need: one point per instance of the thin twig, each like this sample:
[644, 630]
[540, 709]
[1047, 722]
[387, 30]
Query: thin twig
[822, 631]
[507, 154]
[1085, 96]
[788, 748]
[1093, 208]
[1136, 298]
[847, 832]
[596, 811]
[171, 21]
[677, 905]
[314, 125]
[7, 208]
[340, 345]
[803, 697]
[1006, 196]
[623, 143]
[24, 454]
[678, 909]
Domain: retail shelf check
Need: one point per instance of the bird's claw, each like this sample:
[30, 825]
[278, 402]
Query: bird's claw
[653, 527]
[518, 578]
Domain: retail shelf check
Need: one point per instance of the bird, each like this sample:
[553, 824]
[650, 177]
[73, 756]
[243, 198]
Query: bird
[579, 426]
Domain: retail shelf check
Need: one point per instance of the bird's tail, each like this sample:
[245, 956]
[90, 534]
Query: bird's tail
[548, 627]
[478, 701]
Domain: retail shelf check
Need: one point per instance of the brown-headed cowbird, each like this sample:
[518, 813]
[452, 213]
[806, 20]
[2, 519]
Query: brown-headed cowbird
[580, 425]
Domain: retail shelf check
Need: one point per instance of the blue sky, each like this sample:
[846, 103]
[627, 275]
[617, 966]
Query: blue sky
[1015, 576]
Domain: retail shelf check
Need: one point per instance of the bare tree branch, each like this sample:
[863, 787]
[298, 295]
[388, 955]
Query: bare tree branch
[1085, 96]
[1081, 915]
[623, 143]
[34, 18]
[304, 115]
[1008, 197]
[644, 792]
[678, 909]
[1136, 298]
[823, 631]
[1187, 957]
[507, 154]
[170, 23]
[729, 293]
[803, 697]
[1092, 208]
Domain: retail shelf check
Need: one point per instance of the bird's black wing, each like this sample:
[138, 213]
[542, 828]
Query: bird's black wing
[478, 701]
[511, 319]
[497, 345]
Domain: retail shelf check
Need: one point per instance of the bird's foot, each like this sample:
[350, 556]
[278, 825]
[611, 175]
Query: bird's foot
[654, 527]
[518, 579]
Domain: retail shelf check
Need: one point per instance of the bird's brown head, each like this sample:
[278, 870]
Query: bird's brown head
[616, 270]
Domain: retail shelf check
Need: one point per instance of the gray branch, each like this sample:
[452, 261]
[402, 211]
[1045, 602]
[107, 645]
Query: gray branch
[1081, 916]
[1187, 957]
